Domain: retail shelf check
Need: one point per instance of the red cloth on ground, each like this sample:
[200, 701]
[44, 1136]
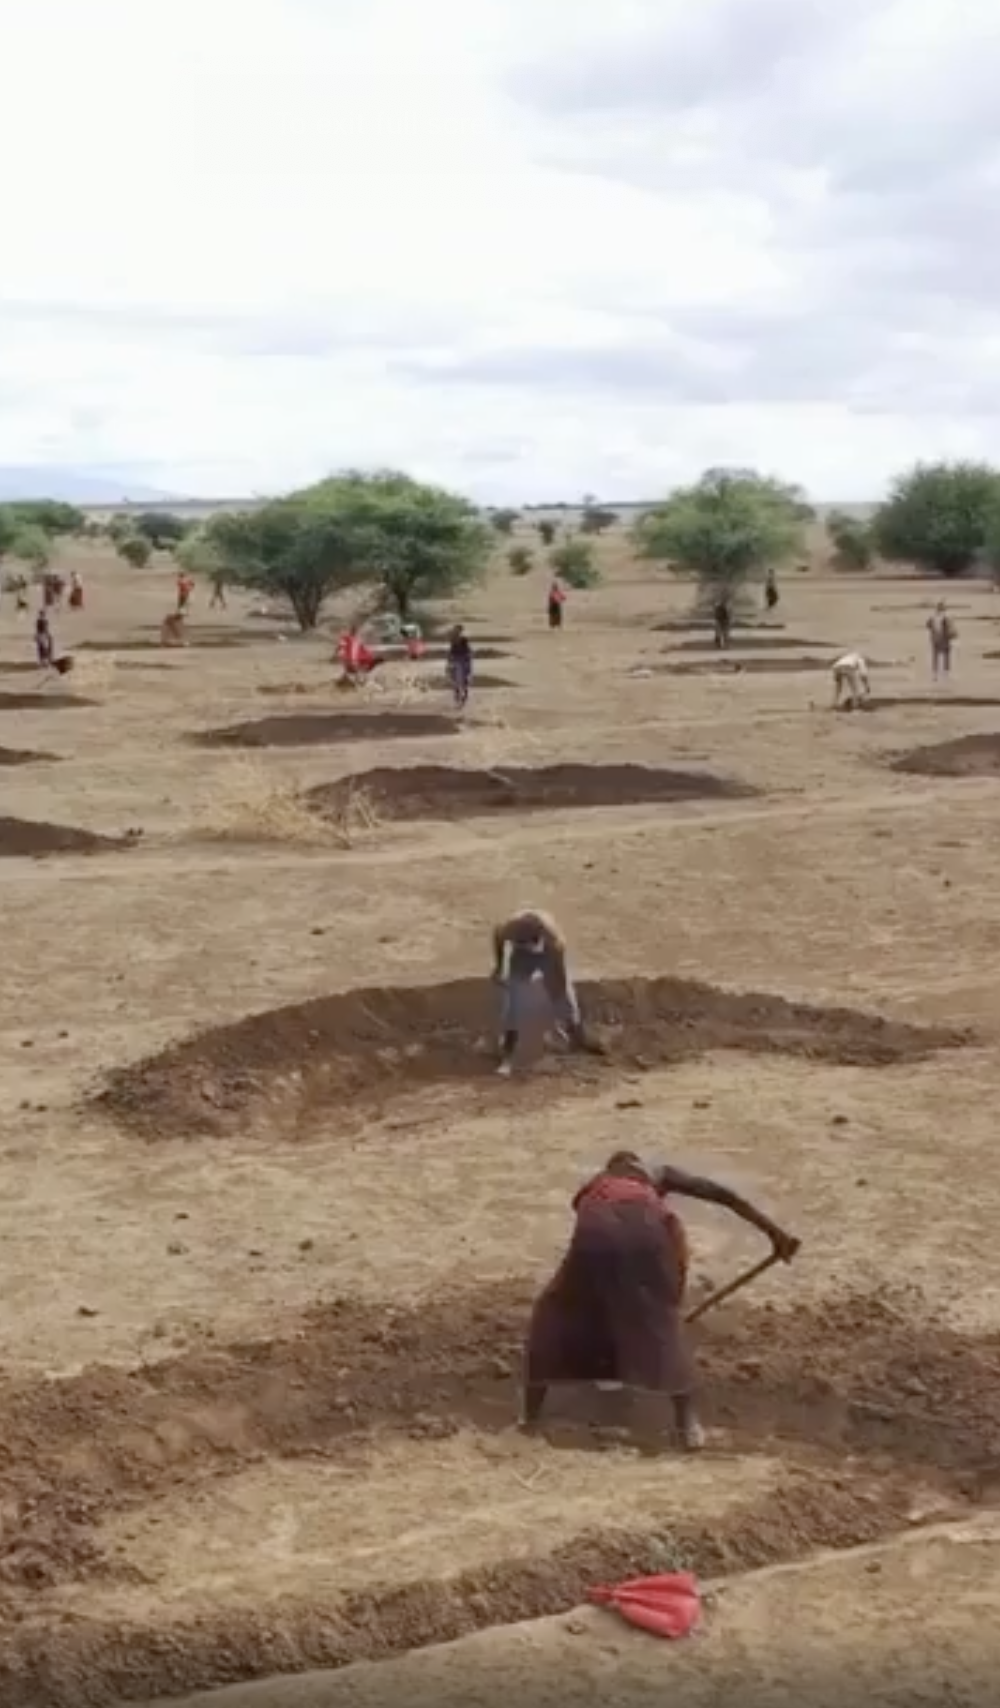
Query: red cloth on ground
[668, 1605]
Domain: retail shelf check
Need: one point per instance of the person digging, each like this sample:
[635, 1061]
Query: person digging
[529, 960]
[614, 1310]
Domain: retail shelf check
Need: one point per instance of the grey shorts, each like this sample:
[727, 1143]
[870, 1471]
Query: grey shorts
[526, 1001]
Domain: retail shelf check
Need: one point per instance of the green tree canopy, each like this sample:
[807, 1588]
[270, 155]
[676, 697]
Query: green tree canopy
[134, 549]
[574, 562]
[547, 531]
[414, 541]
[162, 529]
[936, 516]
[26, 542]
[521, 560]
[596, 518]
[729, 528]
[287, 549]
[48, 514]
[503, 520]
[852, 541]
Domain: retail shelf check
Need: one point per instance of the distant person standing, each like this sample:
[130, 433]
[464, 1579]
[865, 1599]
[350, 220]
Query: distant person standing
[44, 644]
[185, 588]
[460, 665]
[771, 594]
[722, 617]
[218, 599]
[75, 592]
[557, 599]
[942, 634]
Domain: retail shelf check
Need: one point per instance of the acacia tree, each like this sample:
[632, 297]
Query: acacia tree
[596, 518]
[287, 549]
[413, 541]
[161, 528]
[547, 531]
[729, 528]
[503, 520]
[936, 516]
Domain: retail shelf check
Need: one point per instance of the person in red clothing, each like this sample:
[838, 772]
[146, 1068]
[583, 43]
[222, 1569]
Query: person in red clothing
[357, 659]
[613, 1312]
[557, 599]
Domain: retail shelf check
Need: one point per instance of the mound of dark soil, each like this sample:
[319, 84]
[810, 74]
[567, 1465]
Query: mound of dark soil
[365, 1046]
[864, 1396]
[20, 667]
[443, 791]
[42, 702]
[308, 729]
[24, 756]
[723, 664]
[751, 641]
[705, 625]
[218, 638]
[25, 836]
[966, 756]
[970, 702]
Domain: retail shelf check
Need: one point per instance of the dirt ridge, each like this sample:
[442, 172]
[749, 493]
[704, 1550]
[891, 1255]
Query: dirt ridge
[362, 1046]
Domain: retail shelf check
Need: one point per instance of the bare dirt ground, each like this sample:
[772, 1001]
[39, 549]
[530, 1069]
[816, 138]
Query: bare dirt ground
[270, 1227]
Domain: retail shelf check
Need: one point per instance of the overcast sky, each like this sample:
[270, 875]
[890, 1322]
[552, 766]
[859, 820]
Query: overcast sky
[530, 248]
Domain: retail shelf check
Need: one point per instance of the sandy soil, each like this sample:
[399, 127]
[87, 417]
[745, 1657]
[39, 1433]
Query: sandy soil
[271, 1228]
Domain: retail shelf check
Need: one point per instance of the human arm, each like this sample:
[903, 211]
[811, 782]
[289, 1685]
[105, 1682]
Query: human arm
[674, 1180]
[499, 950]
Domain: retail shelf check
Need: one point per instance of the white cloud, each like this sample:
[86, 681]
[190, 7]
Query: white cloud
[248, 242]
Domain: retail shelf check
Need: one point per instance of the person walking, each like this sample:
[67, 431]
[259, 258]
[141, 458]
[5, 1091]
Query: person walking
[942, 634]
[459, 665]
[556, 601]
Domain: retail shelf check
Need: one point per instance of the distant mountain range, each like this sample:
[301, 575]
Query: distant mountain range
[75, 487]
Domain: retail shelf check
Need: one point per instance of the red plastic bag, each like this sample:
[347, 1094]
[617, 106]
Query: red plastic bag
[668, 1605]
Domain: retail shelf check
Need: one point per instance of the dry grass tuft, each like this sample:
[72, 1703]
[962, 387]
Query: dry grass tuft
[249, 804]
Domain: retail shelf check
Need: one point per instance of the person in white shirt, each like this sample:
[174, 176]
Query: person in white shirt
[851, 683]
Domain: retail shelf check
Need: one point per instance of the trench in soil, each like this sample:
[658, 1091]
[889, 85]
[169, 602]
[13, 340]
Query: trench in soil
[360, 1048]
[482, 679]
[448, 792]
[207, 638]
[42, 702]
[874, 1409]
[966, 702]
[725, 664]
[966, 756]
[24, 756]
[705, 625]
[308, 729]
[749, 642]
[36, 837]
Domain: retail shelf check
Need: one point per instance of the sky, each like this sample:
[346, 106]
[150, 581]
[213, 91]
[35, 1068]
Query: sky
[529, 249]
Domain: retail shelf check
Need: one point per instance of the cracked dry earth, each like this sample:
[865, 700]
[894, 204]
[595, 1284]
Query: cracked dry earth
[270, 1227]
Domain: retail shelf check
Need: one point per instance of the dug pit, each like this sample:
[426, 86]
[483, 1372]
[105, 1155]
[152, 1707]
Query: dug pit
[750, 642]
[314, 729]
[725, 665]
[363, 1047]
[353, 1489]
[966, 756]
[446, 792]
[35, 838]
[889, 702]
[41, 702]
[217, 638]
[24, 756]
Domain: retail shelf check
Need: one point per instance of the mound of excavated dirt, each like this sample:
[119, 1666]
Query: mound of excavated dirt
[443, 791]
[308, 729]
[705, 625]
[221, 638]
[888, 702]
[25, 836]
[725, 665]
[20, 667]
[966, 756]
[23, 756]
[865, 1396]
[42, 702]
[482, 679]
[749, 642]
[364, 1046]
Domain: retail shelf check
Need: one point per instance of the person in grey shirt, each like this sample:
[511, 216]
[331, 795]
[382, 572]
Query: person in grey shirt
[530, 950]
